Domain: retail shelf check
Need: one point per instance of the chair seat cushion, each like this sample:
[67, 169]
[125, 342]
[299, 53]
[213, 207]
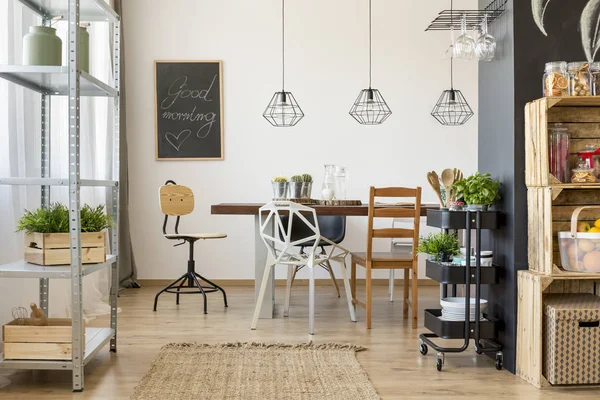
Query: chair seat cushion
[400, 255]
[196, 235]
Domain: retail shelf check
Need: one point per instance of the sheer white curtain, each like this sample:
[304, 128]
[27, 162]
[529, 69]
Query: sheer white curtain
[20, 138]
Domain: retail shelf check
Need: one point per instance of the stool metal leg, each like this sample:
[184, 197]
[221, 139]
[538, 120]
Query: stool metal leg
[175, 282]
[215, 286]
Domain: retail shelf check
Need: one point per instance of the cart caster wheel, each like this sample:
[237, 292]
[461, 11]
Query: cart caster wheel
[499, 365]
[423, 349]
[440, 361]
[478, 351]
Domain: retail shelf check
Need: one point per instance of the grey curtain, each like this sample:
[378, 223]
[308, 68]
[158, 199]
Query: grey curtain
[128, 270]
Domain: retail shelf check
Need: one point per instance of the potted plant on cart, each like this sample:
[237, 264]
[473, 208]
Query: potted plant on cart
[47, 234]
[479, 191]
[440, 247]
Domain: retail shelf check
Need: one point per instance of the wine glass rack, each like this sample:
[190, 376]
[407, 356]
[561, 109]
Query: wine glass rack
[451, 19]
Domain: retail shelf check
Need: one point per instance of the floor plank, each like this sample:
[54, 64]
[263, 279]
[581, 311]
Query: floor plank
[393, 362]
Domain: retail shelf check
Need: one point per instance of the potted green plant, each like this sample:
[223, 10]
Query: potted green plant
[307, 182]
[479, 191]
[296, 187]
[439, 246]
[280, 187]
[47, 236]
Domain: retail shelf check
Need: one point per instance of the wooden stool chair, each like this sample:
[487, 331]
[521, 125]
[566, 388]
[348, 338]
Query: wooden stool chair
[406, 260]
[178, 200]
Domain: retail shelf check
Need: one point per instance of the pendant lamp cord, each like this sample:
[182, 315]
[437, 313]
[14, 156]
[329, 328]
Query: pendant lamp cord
[283, 46]
[370, 45]
[452, 56]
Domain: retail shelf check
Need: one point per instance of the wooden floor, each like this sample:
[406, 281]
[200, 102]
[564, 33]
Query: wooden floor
[393, 362]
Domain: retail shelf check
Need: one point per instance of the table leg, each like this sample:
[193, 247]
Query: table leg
[260, 261]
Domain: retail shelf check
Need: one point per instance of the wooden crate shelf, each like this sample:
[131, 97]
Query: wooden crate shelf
[532, 287]
[580, 115]
[549, 212]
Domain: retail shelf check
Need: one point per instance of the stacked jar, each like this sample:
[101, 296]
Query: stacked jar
[595, 72]
[580, 79]
[556, 82]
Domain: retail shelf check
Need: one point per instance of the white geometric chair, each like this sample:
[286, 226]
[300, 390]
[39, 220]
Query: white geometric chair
[281, 250]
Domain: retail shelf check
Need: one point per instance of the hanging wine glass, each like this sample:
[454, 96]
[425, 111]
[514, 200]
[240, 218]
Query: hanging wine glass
[464, 48]
[450, 51]
[485, 48]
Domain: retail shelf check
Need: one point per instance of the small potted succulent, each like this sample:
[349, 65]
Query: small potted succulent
[307, 182]
[280, 187]
[296, 187]
[479, 191]
[439, 246]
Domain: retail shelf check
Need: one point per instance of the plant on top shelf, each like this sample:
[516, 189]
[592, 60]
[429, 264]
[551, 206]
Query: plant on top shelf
[478, 191]
[440, 246]
[54, 218]
[47, 238]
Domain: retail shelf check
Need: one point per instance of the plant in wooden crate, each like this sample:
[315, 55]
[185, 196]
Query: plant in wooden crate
[47, 238]
[478, 191]
[439, 246]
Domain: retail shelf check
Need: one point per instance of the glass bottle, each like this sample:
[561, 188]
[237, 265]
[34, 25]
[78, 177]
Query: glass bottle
[595, 72]
[555, 81]
[558, 152]
[341, 178]
[580, 79]
[328, 187]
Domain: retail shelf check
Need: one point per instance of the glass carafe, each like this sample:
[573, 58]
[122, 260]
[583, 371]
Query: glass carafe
[328, 188]
[341, 178]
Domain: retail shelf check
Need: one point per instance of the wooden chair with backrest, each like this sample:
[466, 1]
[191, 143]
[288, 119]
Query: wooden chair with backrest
[177, 200]
[406, 260]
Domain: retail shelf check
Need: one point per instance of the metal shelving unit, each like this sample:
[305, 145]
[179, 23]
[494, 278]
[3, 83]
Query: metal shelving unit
[70, 81]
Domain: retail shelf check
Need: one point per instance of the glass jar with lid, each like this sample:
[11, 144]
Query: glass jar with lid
[555, 79]
[595, 72]
[580, 79]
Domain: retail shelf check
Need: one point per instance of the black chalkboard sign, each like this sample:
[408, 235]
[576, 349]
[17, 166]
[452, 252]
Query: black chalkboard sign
[189, 110]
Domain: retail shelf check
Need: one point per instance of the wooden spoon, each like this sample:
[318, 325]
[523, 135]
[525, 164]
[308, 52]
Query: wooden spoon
[434, 181]
[447, 181]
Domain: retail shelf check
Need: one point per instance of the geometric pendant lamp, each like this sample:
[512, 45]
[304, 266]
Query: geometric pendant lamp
[283, 109]
[452, 108]
[370, 108]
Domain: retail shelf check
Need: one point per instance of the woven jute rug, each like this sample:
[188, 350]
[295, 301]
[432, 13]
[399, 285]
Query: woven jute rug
[251, 371]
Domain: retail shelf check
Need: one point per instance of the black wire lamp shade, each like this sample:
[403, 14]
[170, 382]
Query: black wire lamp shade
[283, 110]
[370, 108]
[452, 109]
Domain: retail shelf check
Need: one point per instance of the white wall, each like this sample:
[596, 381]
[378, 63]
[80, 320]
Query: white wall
[327, 66]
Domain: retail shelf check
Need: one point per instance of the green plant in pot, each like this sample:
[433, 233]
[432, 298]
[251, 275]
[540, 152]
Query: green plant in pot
[296, 187]
[307, 181]
[280, 186]
[439, 246]
[47, 236]
[479, 191]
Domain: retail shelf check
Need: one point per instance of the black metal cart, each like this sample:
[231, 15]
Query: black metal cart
[483, 332]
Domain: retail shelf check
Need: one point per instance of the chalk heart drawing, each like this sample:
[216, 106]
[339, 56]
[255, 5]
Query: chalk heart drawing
[177, 140]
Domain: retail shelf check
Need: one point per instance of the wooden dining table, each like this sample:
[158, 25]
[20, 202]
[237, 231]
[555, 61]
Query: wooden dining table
[260, 250]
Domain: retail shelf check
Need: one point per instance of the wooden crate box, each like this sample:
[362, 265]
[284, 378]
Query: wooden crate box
[549, 212]
[581, 115]
[52, 342]
[54, 249]
[532, 288]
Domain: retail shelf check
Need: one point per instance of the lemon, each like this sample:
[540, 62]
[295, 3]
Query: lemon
[597, 223]
[595, 229]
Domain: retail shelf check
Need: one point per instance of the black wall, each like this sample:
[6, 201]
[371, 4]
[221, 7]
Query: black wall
[506, 84]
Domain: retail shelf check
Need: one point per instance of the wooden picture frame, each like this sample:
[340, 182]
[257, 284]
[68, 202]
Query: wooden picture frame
[164, 152]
